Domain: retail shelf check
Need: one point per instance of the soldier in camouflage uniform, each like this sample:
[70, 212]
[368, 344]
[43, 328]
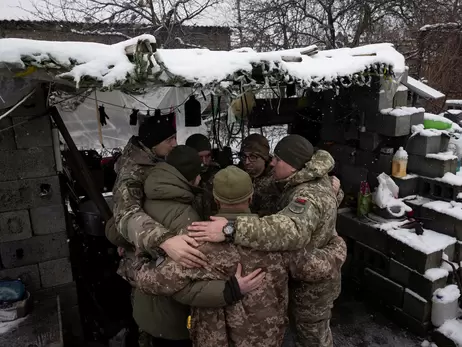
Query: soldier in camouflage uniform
[255, 160]
[205, 201]
[307, 217]
[260, 318]
[156, 138]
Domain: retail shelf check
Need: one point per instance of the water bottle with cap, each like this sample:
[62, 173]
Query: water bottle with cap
[399, 164]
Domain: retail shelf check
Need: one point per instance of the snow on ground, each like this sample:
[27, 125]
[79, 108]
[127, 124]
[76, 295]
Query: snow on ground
[429, 242]
[453, 330]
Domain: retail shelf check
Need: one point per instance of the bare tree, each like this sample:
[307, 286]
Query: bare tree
[164, 17]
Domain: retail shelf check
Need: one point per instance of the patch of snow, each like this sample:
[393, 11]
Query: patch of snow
[451, 25]
[419, 130]
[106, 63]
[454, 102]
[453, 330]
[450, 178]
[402, 88]
[444, 156]
[417, 200]
[205, 66]
[422, 89]
[436, 274]
[448, 267]
[402, 111]
[409, 176]
[425, 343]
[415, 295]
[454, 112]
[390, 225]
[453, 209]
[7, 326]
[429, 242]
[447, 294]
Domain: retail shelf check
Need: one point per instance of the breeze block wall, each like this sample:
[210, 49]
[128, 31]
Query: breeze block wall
[34, 244]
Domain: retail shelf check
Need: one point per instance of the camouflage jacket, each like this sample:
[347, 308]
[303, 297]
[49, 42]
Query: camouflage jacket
[266, 193]
[205, 202]
[307, 217]
[130, 219]
[260, 318]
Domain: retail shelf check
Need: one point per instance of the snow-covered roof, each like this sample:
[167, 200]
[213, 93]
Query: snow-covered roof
[109, 65]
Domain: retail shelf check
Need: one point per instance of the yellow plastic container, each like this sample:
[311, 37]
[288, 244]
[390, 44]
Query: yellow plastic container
[399, 163]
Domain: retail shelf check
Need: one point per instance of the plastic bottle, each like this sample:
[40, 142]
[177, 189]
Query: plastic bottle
[399, 164]
[445, 305]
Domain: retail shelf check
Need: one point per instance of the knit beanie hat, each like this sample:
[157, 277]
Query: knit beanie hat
[295, 150]
[256, 143]
[154, 130]
[232, 185]
[186, 160]
[199, 142]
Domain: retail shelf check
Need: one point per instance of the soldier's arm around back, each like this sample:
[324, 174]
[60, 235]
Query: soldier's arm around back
[131, 221]
[288, 230]
[319, 264]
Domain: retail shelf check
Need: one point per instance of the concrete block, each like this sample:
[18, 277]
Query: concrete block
[54, 222]
[416, 306]
[430, 167]
[366, 159]
[342, 153]
[29, 275]
[417, 118]
[390, 292]
[34, 250]
[458, 252]
[439, 222]
[333, 132]
[362, 231]
[7, 136]
[405, 321]
[55, 272]
[384, 163]
[370, 258]
[423, 286]
[423, 145]
[438, 190]
[29, 193]
[399, 273]
[413, 258]
[351, 177]
[27, 163]
[444, 142]
[408, 185]
[441, 340]
[394, 126]
[34, 133]
[15, 226]
[369, 141]
[67, 294]
[400, 98]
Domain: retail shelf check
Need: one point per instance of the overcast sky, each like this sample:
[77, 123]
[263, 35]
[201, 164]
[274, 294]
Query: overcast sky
[10, 9]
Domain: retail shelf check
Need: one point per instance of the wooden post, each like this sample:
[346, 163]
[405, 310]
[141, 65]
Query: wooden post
[88, 183]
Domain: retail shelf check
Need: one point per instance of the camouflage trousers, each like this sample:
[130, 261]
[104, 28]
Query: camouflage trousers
[313, 335]
[146, 340]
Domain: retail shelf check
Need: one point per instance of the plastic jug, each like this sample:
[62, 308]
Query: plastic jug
[399, 163]
[445, 305]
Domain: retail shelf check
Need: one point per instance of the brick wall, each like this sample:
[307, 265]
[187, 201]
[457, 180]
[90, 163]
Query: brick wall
[33, 233]
[215, 38]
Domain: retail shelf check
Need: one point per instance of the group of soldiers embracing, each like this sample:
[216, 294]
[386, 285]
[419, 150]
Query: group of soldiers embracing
[230, 256]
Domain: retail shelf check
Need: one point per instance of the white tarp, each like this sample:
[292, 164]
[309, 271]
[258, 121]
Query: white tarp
[82, 123]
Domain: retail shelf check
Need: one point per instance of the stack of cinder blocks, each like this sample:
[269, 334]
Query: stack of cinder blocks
[392, 273]
[33, 233]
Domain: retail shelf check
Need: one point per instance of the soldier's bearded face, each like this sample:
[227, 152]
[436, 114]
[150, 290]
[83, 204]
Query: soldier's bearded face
[165, 147]
[281, 170]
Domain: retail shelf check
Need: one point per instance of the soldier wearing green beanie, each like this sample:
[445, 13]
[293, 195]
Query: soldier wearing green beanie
[307, 213]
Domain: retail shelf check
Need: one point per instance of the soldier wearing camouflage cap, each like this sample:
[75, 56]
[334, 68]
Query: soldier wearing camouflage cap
[307, 218]
[260, 318]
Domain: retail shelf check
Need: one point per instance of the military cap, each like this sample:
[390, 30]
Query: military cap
[232, 185]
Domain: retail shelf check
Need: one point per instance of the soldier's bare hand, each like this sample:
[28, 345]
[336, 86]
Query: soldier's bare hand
[335, 184]
[121, 251]
[208, 231]
[250, 282]
[182, 249]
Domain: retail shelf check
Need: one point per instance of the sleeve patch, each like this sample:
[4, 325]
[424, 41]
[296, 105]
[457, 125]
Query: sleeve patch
[297, 206]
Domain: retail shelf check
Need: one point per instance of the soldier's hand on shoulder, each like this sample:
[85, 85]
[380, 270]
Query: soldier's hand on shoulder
[335, 184]
[182, 249]
[250, 282]
[208, 231]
